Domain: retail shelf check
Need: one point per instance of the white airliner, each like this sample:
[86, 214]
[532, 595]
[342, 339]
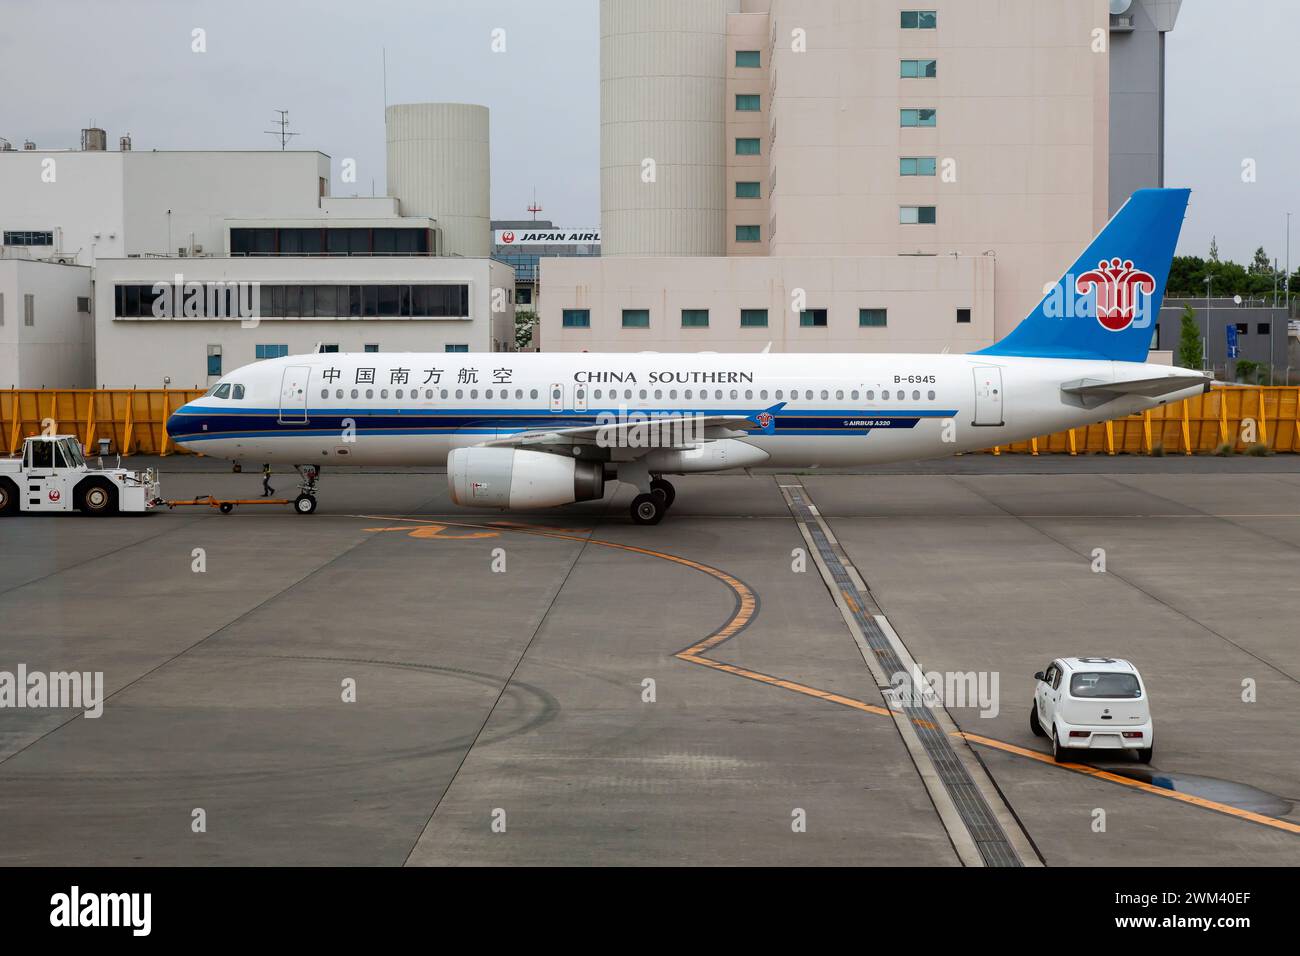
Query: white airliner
[523, 430]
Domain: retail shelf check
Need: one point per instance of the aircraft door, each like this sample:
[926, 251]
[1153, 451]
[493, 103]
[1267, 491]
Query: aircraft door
[293, 395]
[988, 395]
[580, 398]
[557, 397]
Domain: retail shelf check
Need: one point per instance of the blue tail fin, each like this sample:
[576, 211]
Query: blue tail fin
[1106, 305]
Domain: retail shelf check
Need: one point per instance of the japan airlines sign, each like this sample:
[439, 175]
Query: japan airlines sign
[547, 237]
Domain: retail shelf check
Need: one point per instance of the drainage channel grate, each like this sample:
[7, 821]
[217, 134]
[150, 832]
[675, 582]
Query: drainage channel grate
[983, 827]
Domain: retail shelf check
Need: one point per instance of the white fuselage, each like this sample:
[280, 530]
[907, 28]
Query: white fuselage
[828, 410]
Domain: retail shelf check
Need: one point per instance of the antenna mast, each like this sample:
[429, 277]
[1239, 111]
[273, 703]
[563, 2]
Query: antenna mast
[283, 131]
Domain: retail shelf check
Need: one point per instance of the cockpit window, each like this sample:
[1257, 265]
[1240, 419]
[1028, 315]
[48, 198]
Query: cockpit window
[237, 393]
[222, 391]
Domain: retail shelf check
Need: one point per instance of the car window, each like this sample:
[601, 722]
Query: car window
[1054, 676]
[1094, 684]
[72, 448]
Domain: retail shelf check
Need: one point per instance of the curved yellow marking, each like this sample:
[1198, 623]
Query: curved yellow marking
[746, 607]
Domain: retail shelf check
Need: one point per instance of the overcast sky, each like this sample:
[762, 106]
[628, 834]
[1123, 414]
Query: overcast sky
[1233, 91]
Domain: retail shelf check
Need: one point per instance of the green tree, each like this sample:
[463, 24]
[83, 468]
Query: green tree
[1261, 266]
[1189, 340]
[525, 322]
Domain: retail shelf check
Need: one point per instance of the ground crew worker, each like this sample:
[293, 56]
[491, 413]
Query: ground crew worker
[267, 490]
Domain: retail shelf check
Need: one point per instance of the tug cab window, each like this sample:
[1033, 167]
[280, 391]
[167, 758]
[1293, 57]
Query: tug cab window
[42, 454]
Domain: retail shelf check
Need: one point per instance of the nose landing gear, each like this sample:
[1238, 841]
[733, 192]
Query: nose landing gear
[305, 503]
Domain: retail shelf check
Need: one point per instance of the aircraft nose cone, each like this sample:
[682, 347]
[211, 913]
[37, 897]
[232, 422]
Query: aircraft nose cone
[176, 423]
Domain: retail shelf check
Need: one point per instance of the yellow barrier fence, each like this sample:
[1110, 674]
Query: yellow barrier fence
[1237, 416]
[134, 422]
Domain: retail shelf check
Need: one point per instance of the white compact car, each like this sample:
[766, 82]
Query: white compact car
[1092, 703]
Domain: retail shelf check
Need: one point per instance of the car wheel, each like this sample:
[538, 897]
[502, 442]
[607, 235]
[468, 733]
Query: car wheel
[99, 500]
[8, 498]
[1144, 755]
[1034, 725]
[1058, 752]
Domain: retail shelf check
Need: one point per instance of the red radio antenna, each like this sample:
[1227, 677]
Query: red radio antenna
[534, 207]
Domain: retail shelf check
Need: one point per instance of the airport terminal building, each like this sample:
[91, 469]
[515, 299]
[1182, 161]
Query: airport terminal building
[871, 176]
[90, 232]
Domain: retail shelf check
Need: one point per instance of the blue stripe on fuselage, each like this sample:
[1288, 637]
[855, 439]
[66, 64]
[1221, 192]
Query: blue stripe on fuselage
[197, 424]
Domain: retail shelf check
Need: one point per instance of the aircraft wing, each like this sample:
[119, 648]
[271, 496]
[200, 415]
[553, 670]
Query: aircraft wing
[644, 432]
[1092, 392]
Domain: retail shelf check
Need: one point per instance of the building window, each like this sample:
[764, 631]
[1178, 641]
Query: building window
[1242, 328]
[748, 233]
[748, 191]
[370, 347]
[695, 318]
[813, 318]
[455, 348]
[748, 59]
[918, 69]
[636, 318]
[329, 348]
[28, 238]
[747, 146]
[747, 103]
[753, 318]
[317, 241]
[577, 318]
[919, 20]
[1263, 328]
[872, 318]
[916, 166]
[913, 215]
[963, 316]
[304, 301]
[29, 309]
[83, 303]
[270, 351]
[214, 361]
[917, 117]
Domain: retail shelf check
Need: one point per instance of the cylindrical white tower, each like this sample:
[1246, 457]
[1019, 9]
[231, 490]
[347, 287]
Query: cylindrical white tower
[439, 166]
[662, 127]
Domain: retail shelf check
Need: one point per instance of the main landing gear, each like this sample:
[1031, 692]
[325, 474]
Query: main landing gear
[651, 508]
[305, 503]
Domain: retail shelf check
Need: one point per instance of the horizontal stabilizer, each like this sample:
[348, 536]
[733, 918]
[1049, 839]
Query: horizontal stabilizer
[1093, 392]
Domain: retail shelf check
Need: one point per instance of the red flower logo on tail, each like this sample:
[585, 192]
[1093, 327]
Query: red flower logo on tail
[1118, 285]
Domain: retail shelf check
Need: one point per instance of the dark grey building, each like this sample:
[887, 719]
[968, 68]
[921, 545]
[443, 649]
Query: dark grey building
[1263, 335]
[1137, 94]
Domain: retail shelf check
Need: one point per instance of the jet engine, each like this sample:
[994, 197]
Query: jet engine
[512, 478]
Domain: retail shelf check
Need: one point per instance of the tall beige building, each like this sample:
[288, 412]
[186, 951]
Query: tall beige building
[876, 175]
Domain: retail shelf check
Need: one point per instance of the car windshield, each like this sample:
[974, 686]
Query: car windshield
[72, 449]
[1093, 684]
